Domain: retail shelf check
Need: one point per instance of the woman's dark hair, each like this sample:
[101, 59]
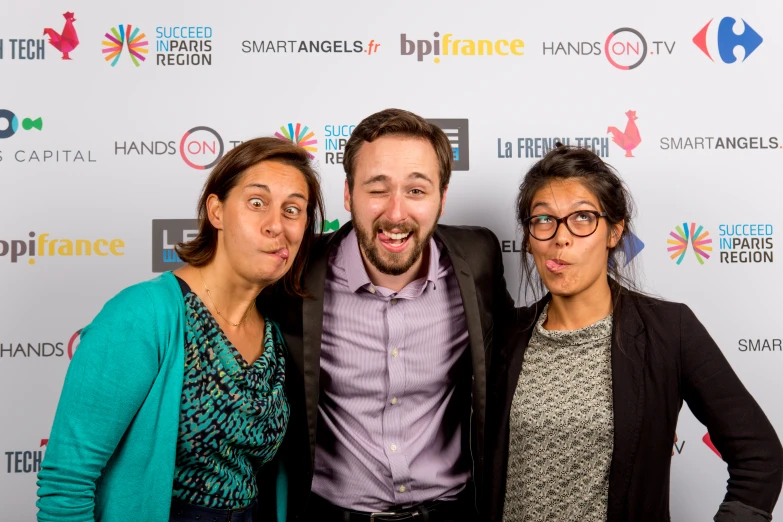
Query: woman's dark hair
[226, 175]
[574, 163]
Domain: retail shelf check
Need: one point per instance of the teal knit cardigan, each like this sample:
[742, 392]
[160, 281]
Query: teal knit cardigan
[112, 448]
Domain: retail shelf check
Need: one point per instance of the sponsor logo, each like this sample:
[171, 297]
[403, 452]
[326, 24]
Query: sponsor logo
[721, 143]
[10, 126]
[738, 243]
[625, 48]
[44, 246]
[331, 226]
[166, 234]
[310, 47]
[73, 343]
[125, 37]
[457, 132]
[449, 46]
[721, 40]
[336, 137]
[698, 238]
[66, 40]
[760, 345]
[183, 45]
[629, 138]
[25, 461]
[300, 135]
[200, 147]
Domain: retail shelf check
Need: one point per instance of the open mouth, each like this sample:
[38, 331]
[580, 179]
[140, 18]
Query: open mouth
[394, 241]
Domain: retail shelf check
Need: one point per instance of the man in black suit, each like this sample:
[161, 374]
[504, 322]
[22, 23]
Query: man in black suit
[389, 357]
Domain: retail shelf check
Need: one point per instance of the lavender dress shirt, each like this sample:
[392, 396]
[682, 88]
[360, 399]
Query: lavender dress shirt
[390, 426]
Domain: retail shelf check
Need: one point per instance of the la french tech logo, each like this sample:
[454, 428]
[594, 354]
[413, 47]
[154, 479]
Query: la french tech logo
[629, 138]
[66, 40]
[721, 39]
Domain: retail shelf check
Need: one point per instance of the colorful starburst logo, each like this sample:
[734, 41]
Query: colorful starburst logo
[125, 36]
[298, 133]
[697, 236]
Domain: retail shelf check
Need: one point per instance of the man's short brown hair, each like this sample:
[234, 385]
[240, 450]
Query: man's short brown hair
[402, 123]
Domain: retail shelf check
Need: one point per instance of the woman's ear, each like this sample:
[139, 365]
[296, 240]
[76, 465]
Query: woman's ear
[215, 211]
[615, 234]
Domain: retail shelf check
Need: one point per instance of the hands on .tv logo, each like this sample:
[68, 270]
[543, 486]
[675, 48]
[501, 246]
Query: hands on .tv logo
[726, 39]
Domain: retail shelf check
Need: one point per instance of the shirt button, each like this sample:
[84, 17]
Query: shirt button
[394, 400]
[394, 301]
[372, 289]
[393, 447]
[395, 352]
[402, 489]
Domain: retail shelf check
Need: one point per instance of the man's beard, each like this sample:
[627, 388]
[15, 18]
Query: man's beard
[392, 263]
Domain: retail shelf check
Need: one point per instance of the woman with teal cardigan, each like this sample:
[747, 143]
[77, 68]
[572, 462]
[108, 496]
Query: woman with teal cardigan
[175, 401]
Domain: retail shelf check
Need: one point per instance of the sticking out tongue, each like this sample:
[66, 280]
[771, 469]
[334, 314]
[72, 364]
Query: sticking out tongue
[386, 239]
[554, 265]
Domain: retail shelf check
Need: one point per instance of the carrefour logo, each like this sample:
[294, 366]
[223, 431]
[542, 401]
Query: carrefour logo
[724, 37]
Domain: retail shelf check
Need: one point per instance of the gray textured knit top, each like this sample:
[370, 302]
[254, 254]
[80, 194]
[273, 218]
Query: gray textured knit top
[562, 427]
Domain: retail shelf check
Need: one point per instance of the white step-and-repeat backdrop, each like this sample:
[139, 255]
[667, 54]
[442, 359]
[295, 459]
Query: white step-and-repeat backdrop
[112, 114]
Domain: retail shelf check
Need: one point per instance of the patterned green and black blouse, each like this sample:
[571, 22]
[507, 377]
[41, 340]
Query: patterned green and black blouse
[233, 414]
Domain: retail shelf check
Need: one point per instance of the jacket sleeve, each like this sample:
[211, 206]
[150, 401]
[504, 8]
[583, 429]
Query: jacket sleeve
[503, 303]
[107, 381]
[738, 427]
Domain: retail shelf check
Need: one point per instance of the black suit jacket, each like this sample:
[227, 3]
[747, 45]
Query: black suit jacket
[477, 262]
[660, 355]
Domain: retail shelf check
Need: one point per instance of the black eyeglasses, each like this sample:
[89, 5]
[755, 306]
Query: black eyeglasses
[581, 223]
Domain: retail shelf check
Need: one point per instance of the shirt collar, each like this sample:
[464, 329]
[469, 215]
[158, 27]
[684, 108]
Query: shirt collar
[349, 257]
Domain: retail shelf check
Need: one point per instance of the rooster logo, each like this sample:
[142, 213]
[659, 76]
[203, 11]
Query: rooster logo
[66, 41]
[629, 139]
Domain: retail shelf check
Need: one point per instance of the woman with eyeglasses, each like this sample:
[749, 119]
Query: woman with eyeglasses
[584, 396]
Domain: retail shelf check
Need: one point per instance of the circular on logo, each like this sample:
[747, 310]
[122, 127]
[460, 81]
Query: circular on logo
[73, 343]
[13, 123]
[617, 48]
[201, 148]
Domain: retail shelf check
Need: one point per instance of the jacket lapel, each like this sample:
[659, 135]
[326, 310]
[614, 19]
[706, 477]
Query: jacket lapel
[467, 288]
[312, 330]
[628, 360]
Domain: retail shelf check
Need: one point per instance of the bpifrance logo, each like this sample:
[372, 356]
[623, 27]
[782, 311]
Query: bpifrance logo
[722, 37]
[629, 138]
[121, 37]
[696, 236]
[299, 135]
[66, 40]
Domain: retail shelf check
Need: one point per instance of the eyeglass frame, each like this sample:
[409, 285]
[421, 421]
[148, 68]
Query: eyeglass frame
[564, 220]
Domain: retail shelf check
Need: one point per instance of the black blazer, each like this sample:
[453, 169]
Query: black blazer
[660, 355]
[477, 262]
